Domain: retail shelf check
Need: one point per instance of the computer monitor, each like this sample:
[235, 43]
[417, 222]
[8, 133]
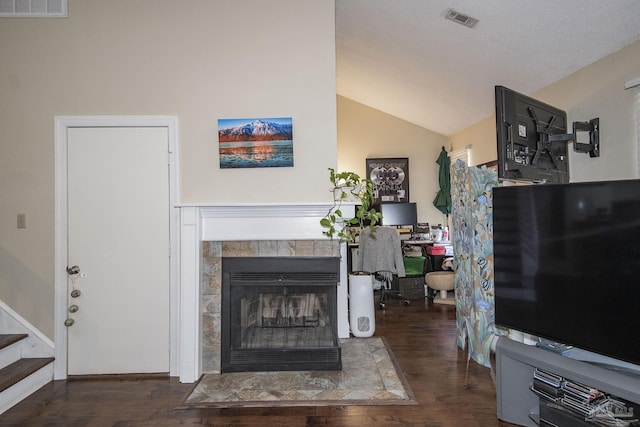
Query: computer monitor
[397, 214]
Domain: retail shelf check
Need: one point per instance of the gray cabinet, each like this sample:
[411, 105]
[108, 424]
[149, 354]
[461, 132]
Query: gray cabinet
[516, 362]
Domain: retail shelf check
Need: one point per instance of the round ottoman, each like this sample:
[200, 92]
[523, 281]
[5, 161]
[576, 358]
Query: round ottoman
[442, 281]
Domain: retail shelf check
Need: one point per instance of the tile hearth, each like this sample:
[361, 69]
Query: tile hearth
[369, 376]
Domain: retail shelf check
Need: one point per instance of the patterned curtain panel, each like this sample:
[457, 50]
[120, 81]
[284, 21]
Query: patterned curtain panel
[472, 222]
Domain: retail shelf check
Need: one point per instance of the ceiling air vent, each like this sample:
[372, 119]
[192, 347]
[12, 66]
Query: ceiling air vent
[460, 18]
[33, 8]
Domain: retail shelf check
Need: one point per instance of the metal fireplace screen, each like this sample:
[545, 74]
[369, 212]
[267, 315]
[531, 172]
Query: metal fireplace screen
[279, 314]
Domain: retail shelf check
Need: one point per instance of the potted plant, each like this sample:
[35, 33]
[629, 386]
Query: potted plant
[349, 187]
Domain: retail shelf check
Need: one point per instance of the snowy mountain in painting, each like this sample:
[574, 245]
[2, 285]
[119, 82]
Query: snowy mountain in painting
[257, 130]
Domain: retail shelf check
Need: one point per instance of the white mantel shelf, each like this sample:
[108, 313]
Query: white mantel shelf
[262, 221]
[233, 222]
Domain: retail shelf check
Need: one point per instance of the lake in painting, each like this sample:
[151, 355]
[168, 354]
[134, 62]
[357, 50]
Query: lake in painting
[256, 154]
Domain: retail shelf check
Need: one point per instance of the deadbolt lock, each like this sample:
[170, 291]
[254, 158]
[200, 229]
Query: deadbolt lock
[69, 322]
[74, 308]
[75, 293]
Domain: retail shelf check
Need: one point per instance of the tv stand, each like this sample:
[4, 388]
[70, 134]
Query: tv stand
[516, 362]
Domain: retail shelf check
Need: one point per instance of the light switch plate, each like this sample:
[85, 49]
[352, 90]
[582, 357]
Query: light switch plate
[22, 220]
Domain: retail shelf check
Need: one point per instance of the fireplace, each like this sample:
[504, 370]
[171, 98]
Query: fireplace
[280, 314]
[212, 232]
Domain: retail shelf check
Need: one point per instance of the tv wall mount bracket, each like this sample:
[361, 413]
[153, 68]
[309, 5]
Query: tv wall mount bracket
[545, 137]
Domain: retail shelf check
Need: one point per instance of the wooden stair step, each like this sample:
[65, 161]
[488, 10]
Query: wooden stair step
[14, 373]
[7, 339]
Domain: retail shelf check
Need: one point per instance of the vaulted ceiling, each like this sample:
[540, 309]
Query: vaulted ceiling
[405, 58]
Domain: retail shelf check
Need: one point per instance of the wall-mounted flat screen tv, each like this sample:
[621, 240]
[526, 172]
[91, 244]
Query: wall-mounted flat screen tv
[526, 147]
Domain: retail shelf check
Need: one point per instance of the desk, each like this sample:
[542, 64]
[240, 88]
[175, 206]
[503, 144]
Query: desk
[434, 262]
[418, 242]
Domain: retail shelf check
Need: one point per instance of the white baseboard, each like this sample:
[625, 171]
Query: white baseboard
[36, 344]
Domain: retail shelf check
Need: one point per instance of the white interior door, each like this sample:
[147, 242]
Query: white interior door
[118, 236]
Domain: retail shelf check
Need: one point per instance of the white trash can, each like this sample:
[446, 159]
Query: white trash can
[362, 319]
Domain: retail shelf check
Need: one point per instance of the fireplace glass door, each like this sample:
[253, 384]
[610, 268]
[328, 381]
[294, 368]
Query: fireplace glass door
[279, 314]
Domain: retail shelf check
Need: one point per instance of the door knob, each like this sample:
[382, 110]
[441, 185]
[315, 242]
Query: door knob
[74, 308]
[75, 293]
[72, 271]
[69, 322]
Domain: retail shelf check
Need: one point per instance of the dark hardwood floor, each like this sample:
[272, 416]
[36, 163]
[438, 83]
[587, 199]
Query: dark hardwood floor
[421, 336]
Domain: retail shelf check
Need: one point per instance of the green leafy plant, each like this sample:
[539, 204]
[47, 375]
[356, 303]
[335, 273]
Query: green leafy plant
[349, 187]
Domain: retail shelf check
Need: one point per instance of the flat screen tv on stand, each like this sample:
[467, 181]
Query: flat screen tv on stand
[567, 266]
[533, 138]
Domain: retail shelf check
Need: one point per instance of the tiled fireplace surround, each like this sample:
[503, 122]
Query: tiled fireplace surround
[210, 232]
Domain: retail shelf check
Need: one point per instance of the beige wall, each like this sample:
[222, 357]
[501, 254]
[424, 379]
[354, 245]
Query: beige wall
[198, 60]
[482, 139]
[364, 132]
[594, 91]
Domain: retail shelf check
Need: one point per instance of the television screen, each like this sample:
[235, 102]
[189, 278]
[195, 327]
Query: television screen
[567, 264]
[399, 214]
[526, 132]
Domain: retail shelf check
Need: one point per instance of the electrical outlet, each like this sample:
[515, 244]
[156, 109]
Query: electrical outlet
[22, 220]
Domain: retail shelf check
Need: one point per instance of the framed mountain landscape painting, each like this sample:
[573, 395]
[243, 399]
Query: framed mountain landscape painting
[255, 143]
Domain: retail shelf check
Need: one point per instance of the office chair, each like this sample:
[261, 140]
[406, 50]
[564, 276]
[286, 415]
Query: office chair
[381, 255]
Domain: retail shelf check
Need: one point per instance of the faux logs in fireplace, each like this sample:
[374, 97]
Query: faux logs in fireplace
[280, 314]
